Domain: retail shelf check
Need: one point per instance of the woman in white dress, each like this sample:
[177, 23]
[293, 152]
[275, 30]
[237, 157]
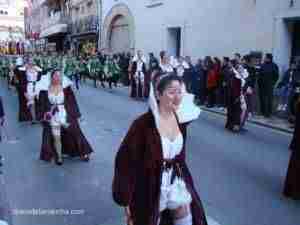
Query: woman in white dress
[61, 133]
[152, 180]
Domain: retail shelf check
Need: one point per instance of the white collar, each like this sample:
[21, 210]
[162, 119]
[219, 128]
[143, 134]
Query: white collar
[44, 83]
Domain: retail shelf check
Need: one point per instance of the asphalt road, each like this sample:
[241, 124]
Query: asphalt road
[239, 176]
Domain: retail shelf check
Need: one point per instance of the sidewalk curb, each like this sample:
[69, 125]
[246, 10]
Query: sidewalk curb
[252, 121]
[125, 89]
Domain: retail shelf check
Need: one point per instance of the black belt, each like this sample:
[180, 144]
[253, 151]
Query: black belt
[55, 108]
[168, 164]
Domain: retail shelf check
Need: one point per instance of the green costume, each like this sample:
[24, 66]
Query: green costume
[38, 61]
[83, 67]
[71, 65]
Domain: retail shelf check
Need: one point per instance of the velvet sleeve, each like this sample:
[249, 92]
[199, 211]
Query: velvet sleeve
[44, 105]
[236, 89]
[125, 167]
[71, 103]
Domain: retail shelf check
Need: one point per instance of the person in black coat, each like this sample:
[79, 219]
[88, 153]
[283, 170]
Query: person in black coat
[269, 74]
[153, 63]
[1, 124]
[201, 81]
[1, 118]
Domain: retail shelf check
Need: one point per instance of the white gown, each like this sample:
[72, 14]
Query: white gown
[172, 195]
[31, 91]
[60, 117]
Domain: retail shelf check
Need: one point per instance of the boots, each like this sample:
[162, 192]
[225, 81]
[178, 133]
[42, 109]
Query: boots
[58, 148]
[32, 111]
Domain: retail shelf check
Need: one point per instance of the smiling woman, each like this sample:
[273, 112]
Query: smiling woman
[152, 180]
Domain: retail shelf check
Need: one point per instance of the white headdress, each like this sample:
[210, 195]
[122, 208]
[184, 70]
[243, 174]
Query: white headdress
[44, 83]
[136, 58]
[173, 61]
[187, 110]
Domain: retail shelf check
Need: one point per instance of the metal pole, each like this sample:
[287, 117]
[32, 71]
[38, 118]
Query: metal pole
[99, 15]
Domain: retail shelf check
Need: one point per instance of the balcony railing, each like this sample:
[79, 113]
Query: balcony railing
[57, 18]
[85, 25]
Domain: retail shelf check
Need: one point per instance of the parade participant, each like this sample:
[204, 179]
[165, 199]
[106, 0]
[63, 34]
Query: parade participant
[27, 76]
[54, 61]
[1, 66]
[83, 69]
[2, 119]
[165, 65]
[268, 77]
[234, 85]
[249, 87]
[20, 83]
[153, 63]
[99, 72]
[92, 67]
[6, 66]
[61, 130]
[106, 71]
[37, 60]
[45, 63]
[292, 182]
[151, 178]
[138, 73]
[33, 74]
[77, 71]
[181, 66]
[116, 71]
[10, 80]
[243, 75]
[69, 66]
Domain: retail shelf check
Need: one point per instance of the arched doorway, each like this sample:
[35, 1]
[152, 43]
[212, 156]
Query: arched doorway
[119, 39]
[118, 30]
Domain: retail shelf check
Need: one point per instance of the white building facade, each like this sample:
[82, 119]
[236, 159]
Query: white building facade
[11, 20]
[203, 27]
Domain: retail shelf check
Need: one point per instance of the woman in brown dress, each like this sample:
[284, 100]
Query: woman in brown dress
[292, 182]
[61, 130]
[233, 100]
[151, 179]
[26, 79]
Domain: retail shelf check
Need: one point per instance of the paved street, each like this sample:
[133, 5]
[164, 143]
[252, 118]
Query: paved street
[239, 176]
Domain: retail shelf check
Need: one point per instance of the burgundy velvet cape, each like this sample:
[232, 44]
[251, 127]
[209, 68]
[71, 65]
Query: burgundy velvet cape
[21, 86]
[138, 171]
[74, 142]
[292, 183]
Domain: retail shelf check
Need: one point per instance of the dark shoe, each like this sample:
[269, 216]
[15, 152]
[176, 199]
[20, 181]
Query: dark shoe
[85, 158]
[59, 162]
[243, 130]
